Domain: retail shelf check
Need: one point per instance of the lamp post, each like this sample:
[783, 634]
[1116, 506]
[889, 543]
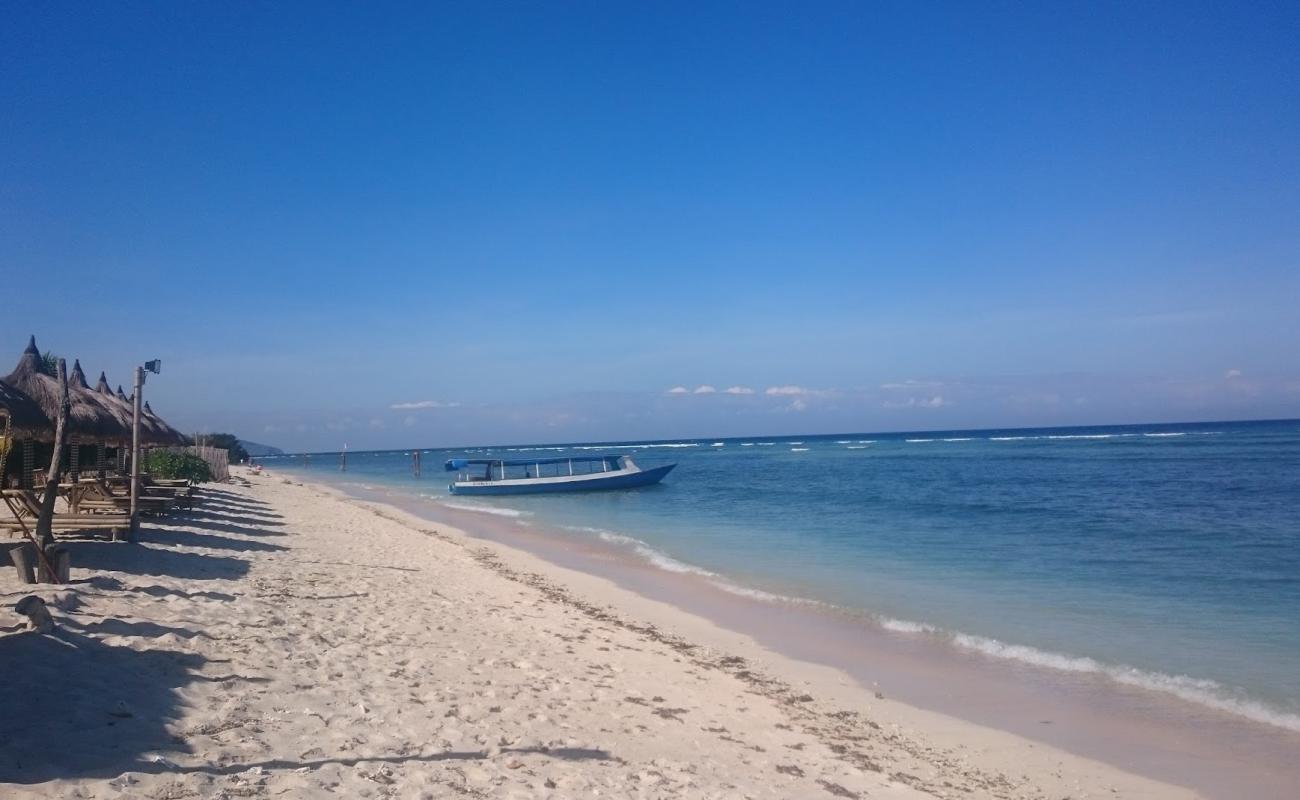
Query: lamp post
[137, 404]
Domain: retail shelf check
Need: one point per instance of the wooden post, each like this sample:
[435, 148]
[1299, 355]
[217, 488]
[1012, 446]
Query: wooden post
[54, 568]
[45, 521]
[24, 560]
[135, 454]
[343, 460]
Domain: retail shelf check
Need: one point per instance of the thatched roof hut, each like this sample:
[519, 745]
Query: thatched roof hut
[120, 414]
[150, 433]
[26, 420]
[169, 434]
[88, 420]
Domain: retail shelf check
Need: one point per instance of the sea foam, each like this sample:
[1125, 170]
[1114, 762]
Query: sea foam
[1196, 690]
[499, 512]
[657, 558]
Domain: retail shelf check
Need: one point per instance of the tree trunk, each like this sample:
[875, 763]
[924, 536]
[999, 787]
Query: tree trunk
[45, 522]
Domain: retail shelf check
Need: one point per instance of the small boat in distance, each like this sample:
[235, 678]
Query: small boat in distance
[581, 474]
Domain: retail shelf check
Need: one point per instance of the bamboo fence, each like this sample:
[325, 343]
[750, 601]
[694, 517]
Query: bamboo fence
[218, 459]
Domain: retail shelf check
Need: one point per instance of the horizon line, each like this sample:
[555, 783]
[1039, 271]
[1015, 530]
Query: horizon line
[670, 440]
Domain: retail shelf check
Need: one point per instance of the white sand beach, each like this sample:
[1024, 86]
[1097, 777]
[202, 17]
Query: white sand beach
[282, 641]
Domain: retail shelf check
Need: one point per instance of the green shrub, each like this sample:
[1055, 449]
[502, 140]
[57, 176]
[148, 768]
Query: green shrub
[166, 464]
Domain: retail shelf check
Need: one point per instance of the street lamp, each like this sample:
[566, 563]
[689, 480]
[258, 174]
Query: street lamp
[154, 366]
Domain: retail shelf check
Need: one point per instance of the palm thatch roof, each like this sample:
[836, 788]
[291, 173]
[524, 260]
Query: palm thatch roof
[77, 383]
[88, 420]
[150, 433]
[26, 420]
[169, 434]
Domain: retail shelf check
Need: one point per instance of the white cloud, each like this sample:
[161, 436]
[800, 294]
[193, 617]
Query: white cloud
[421, 404]
[705, 389]
[1232, 373]
[911, 384]
[778, 391]
[936, 401]
[738, 390]
[798, 405]
[678, 390]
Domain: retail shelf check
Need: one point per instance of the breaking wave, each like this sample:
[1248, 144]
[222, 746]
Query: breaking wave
[633, 446]
[494, 510]
[655, 557]
[667, 563]
[1201, 691]
[1196, 690]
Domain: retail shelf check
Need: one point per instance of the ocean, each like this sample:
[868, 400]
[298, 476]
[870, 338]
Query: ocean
[1159, 556]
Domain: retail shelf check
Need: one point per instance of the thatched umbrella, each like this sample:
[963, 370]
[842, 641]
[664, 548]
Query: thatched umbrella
[109, 404]
[150, 432]
[89, 420]
[170, 434]
[26, 419]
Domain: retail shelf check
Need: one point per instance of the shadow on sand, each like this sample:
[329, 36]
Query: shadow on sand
[109, 583]
[76, 707]
[228, 514]
[235, 501]
[97, 556]
[212, 541]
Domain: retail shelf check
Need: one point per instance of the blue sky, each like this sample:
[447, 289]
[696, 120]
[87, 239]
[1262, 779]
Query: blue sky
[533, 221]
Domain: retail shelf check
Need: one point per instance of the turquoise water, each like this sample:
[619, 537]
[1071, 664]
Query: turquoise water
[1166, 556]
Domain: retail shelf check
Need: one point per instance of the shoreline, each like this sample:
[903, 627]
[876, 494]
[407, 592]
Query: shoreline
[1041, 766]
[282, 639]
[1143, 730]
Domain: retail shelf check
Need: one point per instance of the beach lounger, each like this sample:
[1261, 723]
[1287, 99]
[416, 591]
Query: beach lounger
[93, 495]
[22, 507]
[179, 488]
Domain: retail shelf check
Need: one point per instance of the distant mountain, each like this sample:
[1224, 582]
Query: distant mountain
[255, 450]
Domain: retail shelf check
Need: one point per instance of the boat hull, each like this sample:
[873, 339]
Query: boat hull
[596, 482]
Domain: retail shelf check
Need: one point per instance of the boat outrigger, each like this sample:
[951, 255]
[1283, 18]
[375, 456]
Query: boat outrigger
[583, 474]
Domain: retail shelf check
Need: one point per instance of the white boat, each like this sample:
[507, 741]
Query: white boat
[482, 476]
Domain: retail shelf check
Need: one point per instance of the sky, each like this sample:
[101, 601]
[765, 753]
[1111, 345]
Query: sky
[394, 225]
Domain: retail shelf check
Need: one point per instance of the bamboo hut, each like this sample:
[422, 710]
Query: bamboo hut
[150, 432]
[89, 420]
[109, 404]
[27, 425]
[26, 419]
[167, 433]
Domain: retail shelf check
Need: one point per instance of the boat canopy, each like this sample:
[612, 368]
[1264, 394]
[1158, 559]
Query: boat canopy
[457, 464]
